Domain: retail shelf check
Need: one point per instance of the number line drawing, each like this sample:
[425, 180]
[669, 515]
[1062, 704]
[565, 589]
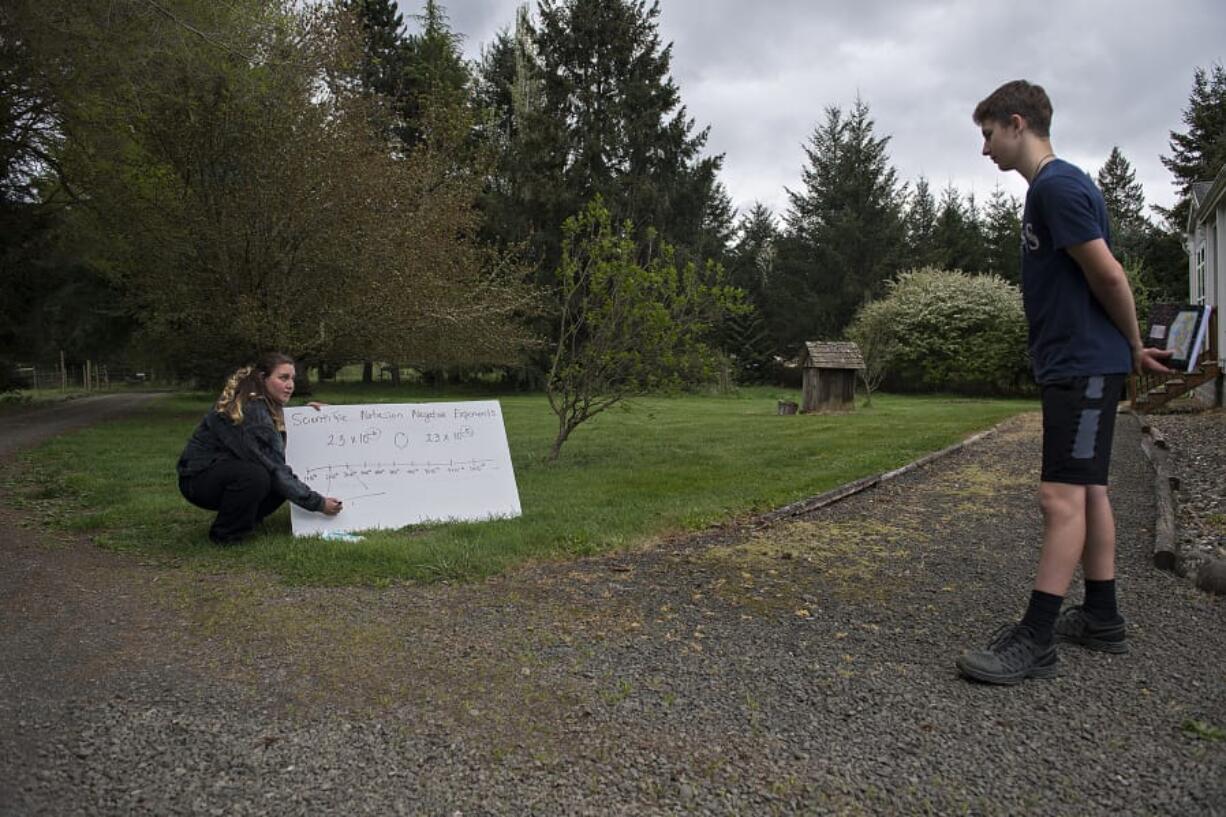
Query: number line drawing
[354, 469]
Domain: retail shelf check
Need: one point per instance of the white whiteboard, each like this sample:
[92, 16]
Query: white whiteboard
[401, 464]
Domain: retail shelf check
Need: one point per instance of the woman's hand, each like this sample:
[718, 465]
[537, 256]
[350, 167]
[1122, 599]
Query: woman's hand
[331, 506]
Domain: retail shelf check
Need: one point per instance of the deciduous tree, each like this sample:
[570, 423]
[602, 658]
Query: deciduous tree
[873, 331]
[952, 331]
[632, 319]
[248, 204]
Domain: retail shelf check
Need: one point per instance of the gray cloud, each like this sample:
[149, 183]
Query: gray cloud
[761, 75]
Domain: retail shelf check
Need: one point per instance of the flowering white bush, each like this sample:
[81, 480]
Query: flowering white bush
[947, 330]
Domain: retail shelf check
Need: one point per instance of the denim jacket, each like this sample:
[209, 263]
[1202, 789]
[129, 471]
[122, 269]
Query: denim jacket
[255, 440]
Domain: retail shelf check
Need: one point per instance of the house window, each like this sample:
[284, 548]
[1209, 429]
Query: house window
[1198, 295]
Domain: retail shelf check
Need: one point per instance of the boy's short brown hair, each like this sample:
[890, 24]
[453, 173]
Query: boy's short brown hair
[1018, 97]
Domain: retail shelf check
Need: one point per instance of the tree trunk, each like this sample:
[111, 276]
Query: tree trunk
[302, 379]
[564, 430]
[395, 370]
[368, 371]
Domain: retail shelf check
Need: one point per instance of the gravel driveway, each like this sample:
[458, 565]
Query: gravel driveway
[803, 668]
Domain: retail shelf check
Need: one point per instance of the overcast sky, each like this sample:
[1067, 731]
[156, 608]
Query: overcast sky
[761, 74]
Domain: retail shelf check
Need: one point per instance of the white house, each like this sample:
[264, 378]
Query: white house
[1206, 246]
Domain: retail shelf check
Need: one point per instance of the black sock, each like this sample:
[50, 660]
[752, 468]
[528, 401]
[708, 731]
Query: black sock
[1100, 599]
[1040, 616]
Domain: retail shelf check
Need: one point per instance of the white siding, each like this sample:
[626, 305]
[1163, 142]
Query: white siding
[1215, 274]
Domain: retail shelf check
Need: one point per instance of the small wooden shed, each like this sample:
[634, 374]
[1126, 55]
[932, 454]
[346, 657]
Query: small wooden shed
[830, 371]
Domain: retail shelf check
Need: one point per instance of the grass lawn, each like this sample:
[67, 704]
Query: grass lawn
[668, 464]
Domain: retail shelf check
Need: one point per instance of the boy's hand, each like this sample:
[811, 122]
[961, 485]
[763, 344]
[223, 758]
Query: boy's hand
[331, 506]
[1150, 360]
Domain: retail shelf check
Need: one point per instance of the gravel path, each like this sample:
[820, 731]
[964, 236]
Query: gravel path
[803, 668]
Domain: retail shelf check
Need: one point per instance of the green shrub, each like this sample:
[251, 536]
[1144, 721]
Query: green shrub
[951, 332]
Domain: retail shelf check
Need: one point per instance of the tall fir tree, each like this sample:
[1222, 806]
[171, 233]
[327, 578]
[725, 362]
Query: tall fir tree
[1198, 153]
[845, 231]
[421, 76]
[589, 108]
[1125, 201]
[1002, 228]
[976, 236]
[751, 267]
[752, 262]
[384, 60]
[959, 237]
[435, 70]
[717, 229]
[920, 221]
[507, 91]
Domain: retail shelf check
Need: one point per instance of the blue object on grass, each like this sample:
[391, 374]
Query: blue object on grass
[341, 536]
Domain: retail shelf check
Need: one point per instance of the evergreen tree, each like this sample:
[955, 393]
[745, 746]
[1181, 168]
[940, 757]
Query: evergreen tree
[383, 40]
[508, 95]
[745, 339]
[718, 227]
[384, 59]
[1002, 235]
[492, 90]
[959, 237]
[920, 220]
[976, 236]
[417, 74]
[751, 266]
[1152, 254]
[435, 71]
[1198, 154]
[845, 229]
[1125, 205]
[589, 108]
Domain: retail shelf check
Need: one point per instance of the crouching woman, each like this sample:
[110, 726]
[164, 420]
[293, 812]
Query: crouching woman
[234, 463]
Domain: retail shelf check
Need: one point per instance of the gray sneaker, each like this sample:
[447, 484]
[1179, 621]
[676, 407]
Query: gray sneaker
[1011, 657]
[1076, 626]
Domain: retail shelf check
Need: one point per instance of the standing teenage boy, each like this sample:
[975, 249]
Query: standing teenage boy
[1084, 341]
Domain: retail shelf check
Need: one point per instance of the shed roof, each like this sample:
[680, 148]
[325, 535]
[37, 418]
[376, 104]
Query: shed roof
[832, 355]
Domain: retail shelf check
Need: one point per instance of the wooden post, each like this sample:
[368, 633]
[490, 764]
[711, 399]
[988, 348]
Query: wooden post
[63, 373]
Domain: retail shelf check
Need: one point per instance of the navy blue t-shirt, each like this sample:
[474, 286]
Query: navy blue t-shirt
[1071, 334]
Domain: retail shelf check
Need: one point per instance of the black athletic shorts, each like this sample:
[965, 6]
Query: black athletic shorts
[1078, 426]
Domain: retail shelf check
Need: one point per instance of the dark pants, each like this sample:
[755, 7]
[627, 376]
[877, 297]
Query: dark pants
[240, 492]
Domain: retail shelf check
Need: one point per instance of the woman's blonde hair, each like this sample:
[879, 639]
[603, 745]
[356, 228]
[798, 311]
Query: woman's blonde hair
[246, 384]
